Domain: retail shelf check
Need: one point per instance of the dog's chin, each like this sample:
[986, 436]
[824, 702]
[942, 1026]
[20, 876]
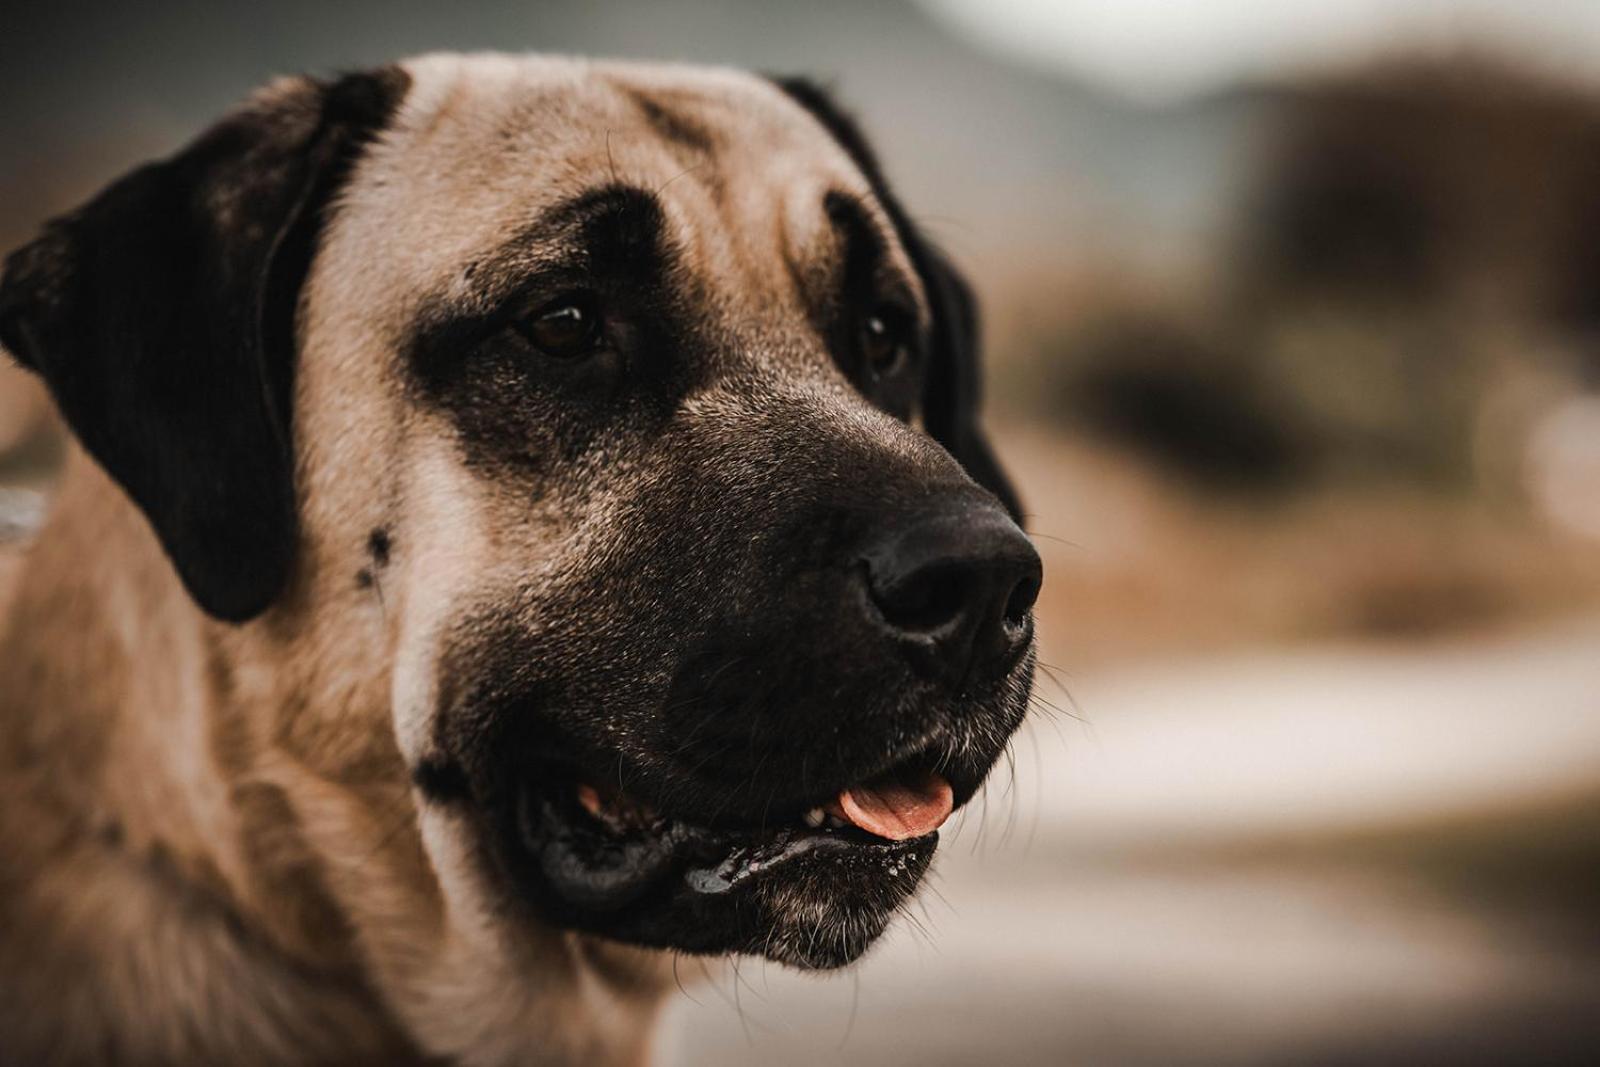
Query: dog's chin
[805, 892]
[806, 869]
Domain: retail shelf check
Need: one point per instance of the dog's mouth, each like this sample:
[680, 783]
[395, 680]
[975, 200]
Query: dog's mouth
[599, 859]
[603, 849]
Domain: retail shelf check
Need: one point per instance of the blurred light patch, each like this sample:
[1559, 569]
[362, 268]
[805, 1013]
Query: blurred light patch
[1308, 741]
[1563, 465]
[21, 513]
[1160, 50]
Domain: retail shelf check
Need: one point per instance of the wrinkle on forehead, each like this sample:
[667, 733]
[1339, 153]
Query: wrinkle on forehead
[484, 143]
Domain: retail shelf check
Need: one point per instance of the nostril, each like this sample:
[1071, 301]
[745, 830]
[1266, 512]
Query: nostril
[929, 600]
[1021, 601]
[953, 591]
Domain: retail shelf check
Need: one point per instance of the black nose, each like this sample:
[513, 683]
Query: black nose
[954, 590]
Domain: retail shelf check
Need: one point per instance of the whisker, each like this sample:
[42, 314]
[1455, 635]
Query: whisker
[681, 173]
[1010, 795]
[744, 1024]
[1052, 537]
[676, 957]
[855, 1004]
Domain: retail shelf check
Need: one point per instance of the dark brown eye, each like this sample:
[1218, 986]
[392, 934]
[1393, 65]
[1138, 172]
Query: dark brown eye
[884, 341]
[568, 328]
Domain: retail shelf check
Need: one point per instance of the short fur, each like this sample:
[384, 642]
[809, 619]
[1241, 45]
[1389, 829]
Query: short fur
[314, 572]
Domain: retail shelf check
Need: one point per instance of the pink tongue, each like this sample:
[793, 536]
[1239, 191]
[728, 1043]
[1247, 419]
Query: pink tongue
[897, 808]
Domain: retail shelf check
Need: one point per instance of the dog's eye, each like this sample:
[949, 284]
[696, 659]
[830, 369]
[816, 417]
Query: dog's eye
[568, 328]
[884, 341]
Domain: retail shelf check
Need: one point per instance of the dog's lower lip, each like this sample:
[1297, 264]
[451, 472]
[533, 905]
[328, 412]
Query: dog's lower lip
[597, 864]
[753, 857]
[603, 851]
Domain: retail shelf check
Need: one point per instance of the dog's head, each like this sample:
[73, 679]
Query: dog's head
[623, 418]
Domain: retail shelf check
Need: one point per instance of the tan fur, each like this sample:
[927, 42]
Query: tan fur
[212, 849]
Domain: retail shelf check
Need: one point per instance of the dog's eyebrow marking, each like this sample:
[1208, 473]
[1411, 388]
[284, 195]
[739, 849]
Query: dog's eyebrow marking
[610, 236]
[612, 203]
[864, 274]
[863, 243]
[609, 229]
[622, 231]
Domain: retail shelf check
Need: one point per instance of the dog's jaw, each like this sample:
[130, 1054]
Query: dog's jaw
[471, 987]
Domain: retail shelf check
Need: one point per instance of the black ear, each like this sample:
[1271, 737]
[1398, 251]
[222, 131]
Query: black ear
[162, 317]
[950, 399]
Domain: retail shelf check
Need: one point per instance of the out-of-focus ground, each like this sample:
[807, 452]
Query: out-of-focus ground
[1298, 379]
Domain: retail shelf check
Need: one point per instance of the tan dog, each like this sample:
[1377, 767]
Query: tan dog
[502, 554]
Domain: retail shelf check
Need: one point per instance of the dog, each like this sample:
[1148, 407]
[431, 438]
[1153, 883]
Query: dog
[529, 520]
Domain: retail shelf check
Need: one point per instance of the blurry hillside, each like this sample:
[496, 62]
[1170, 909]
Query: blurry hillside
[1361, 401]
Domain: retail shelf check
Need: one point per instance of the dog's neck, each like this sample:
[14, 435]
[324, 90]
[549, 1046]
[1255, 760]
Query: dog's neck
[125, 832]
[162, 807]
[118, 748]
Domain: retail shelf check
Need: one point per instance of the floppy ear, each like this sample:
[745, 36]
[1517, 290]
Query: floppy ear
[162, 317]
[951, 392]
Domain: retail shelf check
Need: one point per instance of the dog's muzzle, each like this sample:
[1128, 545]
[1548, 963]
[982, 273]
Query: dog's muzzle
[803, 761]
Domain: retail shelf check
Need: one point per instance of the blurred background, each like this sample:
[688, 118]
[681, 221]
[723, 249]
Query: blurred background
[1293, 321]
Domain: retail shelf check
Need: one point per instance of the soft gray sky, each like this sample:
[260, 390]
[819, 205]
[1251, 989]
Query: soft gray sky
[1166, 49]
